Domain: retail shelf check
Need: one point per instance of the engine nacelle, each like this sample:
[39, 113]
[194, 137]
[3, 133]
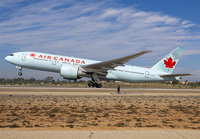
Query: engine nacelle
[70, 72]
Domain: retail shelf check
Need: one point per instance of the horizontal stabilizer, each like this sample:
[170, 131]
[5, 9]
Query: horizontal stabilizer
[176, 75]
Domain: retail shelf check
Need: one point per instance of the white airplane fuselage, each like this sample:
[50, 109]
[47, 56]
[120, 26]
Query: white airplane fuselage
[53, 63]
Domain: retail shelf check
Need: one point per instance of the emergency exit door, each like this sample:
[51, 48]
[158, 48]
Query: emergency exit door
[146, 74]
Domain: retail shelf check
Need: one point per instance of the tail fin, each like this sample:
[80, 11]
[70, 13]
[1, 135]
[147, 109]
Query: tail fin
[168, 63]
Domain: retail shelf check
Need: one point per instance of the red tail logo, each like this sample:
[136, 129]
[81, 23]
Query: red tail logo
[169, 63]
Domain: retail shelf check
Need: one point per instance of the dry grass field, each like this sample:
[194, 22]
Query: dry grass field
[61, 108]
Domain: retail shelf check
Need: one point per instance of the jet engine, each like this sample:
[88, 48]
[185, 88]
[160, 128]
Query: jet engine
[71, 72]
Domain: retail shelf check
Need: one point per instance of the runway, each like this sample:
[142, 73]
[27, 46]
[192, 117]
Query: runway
[99, 134]
[97, 92]
[56, 112]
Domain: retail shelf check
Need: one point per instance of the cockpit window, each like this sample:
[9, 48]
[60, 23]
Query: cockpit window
[11, 54]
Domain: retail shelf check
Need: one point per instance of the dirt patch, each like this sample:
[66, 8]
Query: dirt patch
[100, 112]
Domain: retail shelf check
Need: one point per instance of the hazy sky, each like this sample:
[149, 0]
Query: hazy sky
[101, 30]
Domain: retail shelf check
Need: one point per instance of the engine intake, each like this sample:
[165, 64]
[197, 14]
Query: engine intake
[71, 72]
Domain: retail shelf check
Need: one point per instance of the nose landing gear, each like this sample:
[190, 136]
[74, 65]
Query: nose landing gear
[20, 71]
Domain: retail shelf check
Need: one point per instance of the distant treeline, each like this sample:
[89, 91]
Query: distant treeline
[49, 81]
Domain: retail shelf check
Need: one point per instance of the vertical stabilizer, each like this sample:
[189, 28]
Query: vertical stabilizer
[168, 63]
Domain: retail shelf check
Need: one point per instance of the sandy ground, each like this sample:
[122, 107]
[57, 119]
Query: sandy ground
[99, 113]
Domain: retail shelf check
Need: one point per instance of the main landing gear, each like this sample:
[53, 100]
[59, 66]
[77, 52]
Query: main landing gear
[20, 71]
[94, 82]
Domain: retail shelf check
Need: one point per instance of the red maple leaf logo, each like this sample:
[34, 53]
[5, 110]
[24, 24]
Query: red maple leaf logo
[169, 63]
[32, 55]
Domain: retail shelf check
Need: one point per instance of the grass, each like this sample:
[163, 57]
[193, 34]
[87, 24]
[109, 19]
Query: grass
[37, 125]
[14, 126]
[120, 125]
[70, 126]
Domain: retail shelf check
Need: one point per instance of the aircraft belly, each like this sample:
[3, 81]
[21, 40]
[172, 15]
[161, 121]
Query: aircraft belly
[135, 77]
[127, 77]
[111, 76]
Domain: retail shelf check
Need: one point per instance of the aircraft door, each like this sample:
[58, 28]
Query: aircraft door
[53, 62]
[23, 57]
[146, 74]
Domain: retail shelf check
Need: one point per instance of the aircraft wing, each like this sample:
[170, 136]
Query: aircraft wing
[103, 67]
[175, 75]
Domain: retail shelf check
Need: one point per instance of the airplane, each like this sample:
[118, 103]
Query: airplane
[72, 68]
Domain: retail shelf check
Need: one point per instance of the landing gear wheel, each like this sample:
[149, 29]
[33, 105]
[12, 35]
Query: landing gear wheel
[20, 73]
[20, 70]
[99, 86]
[94, 85]
[90, 84]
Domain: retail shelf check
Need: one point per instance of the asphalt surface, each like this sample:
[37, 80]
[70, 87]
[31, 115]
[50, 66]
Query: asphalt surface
[98, 134]
[97, 91]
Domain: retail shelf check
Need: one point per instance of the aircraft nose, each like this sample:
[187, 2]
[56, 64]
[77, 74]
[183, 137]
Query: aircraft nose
[7, 58]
